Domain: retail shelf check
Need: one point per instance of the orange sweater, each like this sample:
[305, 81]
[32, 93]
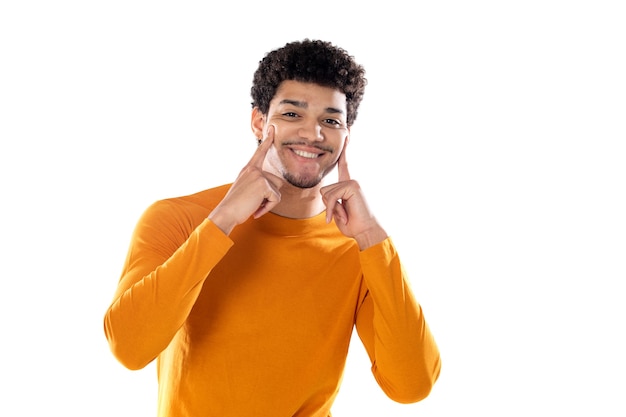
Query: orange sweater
[258, 323]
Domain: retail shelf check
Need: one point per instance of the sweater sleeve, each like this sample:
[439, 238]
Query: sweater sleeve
[390, 323]
[162, 277]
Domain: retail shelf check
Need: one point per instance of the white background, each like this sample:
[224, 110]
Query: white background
[490, 144]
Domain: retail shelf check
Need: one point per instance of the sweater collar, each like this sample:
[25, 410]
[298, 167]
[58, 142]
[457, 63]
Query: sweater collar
[279, 225]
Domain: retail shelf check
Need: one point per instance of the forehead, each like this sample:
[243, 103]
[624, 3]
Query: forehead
[309, 94]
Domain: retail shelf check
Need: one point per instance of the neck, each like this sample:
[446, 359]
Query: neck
[299, 203]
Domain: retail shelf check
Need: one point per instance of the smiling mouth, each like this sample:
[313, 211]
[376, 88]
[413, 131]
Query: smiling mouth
[304, 154]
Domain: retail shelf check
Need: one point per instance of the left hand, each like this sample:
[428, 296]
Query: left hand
[346, 203]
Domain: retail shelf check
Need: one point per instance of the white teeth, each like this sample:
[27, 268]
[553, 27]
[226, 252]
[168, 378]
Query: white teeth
[305, 154]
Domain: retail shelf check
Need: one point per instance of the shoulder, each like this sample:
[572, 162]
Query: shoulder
[187, 211]
[204, 201]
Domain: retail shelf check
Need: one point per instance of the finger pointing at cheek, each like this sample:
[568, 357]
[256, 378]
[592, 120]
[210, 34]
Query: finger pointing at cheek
[259, 156]
[342, 164]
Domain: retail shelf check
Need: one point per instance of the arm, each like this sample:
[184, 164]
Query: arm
[160, 283]
[405, 359]
[404, 356]
[167, 263]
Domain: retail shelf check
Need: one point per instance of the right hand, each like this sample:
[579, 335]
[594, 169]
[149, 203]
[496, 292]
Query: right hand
[254, 192]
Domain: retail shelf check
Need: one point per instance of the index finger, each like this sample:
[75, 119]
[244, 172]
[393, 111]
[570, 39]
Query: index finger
[259, 155]
[342, 165]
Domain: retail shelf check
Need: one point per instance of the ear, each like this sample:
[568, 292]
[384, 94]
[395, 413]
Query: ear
[257, 123]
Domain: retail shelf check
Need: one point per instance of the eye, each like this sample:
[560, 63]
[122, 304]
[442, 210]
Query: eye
[290, 114]
[332, 122]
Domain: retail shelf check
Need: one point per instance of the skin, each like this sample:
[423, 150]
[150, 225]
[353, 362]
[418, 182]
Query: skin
[304, 137]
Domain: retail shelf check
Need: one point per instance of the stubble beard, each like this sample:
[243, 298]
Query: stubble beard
[307, 182]
[299, 182]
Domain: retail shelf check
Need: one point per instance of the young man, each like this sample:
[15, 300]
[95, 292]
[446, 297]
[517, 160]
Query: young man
[247, 294]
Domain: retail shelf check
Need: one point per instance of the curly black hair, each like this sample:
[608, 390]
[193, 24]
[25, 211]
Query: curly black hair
[313, 61]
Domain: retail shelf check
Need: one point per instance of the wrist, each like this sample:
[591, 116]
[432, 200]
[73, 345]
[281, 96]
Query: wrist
[370, 237]
[222, 221]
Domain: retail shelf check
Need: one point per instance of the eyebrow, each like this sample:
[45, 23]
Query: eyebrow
[304, 105]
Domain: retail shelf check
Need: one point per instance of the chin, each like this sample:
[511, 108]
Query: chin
[300, 182]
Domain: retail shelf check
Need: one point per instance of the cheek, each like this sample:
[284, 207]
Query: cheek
[284, 131]
[342, 142]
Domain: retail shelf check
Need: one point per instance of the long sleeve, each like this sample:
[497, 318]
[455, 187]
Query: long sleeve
[405, 358]
[166, 266]
[259, 322]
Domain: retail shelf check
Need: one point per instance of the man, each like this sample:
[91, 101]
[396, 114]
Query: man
[247, 294]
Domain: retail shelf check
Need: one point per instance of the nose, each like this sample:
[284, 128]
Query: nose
[311, 131]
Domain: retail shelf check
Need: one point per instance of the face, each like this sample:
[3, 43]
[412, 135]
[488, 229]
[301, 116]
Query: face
[309, 132]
